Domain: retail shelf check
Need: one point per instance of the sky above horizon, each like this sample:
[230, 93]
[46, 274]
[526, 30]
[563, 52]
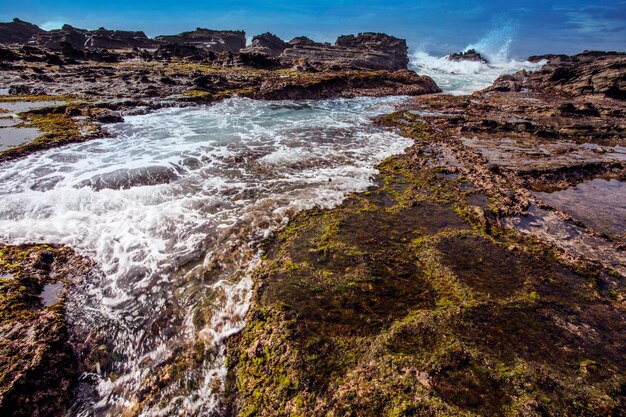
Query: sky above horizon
[439, 27]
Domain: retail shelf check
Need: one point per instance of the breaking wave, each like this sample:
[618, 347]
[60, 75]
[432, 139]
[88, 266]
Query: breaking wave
[466, 77]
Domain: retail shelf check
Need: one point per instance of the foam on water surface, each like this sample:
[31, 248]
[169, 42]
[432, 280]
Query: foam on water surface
[466, 77]
[172, 208]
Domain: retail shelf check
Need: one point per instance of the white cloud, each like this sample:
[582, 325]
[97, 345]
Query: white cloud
[594, 25]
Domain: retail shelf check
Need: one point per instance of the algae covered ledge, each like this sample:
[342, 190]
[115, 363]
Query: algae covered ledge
[414, 298]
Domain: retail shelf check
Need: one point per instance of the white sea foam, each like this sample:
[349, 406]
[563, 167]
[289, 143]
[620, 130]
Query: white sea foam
[173, 187]
[466, 77]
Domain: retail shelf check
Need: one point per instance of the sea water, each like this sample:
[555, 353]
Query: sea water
[172, 208]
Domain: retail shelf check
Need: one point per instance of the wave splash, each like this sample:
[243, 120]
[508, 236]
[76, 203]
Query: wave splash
[466, 77]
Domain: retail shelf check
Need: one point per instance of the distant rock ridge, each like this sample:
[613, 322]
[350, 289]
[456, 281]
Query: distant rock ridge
[372, 51]
[469, 55]
[376, 51]
[91, 39]
[17, 31]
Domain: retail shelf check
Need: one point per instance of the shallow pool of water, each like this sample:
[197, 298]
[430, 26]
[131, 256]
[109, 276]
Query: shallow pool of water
[599, 203]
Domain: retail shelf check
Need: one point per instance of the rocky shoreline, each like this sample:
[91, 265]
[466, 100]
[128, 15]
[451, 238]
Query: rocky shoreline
[451, 288]
[458, 285]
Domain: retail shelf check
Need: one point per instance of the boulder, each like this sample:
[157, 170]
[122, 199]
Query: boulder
[469, 55]
[17, 31]
[210, 40]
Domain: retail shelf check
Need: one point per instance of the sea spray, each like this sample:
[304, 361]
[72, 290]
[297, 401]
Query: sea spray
[172, 208]
[466, 77]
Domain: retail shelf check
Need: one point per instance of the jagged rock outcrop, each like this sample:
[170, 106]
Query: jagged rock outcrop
[374, 51]
[210, 40]
[91, 39]
[118, 39]
[303, 41]
[266, 44]
[588, 73]
[469, 55]
[17, 31]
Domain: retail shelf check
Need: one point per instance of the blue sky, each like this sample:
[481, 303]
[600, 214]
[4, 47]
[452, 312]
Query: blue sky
[439, 26]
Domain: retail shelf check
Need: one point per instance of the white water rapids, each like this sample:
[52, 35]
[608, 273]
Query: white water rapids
[172, 208]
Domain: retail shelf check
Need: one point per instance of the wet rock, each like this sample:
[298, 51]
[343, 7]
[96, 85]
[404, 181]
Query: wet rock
[123, 179]
[469, 55]
[109, 116]
[38, 365]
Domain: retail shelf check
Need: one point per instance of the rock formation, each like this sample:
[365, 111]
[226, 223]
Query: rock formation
[583, 74]
[374, 51]
[470, 55]
[91, 39]
[210, 40]
[266, 44]
[17, 31]
[303, 41]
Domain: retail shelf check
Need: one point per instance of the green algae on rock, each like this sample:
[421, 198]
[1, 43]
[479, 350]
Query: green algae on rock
[409, 300]
[38, 368]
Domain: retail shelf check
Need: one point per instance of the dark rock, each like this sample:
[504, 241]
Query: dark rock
[210, 40]
[54, 59]
[588, 73]
[8, 55]
[119, 39]
[303, 41]
[109, 116]
[374, 51]
[101, 55]
[170, 51]
[266, 44]
[17, 31]
[92, 39]
[68, 51]
[25, 90]
[470, 55]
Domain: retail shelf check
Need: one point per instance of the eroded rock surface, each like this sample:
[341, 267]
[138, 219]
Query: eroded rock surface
[451, 288]
[38, 366]
[375, 51]
[589, 73]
